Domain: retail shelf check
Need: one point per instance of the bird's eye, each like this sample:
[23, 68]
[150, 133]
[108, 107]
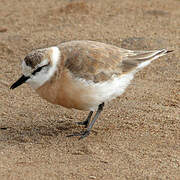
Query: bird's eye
[38, 69]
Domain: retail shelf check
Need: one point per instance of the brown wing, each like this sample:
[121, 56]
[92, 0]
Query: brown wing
[98, 61]
[91, 60]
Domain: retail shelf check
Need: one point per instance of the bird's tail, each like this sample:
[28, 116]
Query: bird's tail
[140, 59]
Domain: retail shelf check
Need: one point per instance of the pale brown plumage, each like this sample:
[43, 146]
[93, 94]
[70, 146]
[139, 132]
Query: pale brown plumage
[86, 75]
[97, 61]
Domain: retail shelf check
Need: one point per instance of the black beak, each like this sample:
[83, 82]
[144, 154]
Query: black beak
[20, 81]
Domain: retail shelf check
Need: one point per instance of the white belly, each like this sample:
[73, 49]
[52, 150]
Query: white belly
[108, 90]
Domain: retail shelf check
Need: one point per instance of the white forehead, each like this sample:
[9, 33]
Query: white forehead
[26, 70]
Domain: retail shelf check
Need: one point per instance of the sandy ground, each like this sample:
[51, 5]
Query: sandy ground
[136, 137]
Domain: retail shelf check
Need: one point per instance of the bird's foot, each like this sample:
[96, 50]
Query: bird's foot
[82, 134]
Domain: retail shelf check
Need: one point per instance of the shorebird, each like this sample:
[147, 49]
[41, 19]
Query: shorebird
[83, 75]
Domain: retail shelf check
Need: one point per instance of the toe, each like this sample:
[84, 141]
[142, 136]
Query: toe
[85, 134]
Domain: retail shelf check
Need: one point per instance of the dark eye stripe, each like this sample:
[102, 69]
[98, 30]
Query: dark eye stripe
[38, 69]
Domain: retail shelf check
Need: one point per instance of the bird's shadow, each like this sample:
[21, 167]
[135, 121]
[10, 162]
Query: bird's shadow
[36, 133]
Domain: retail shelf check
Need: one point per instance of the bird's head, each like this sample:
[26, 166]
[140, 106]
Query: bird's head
[38, 67]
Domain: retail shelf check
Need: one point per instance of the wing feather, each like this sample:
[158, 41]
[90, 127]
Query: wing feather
[98, 62]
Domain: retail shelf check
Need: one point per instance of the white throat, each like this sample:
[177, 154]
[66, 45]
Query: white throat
[45, 74]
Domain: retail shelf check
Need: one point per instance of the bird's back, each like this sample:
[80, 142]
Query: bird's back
[92, 60]
[98, 62]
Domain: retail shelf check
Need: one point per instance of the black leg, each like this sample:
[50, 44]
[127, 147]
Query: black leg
[87, 132]
[86, 122]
